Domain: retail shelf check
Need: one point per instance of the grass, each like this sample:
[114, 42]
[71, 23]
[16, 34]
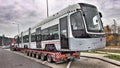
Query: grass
[93, 51]
[115, 57]
[113, 46]
[109, 50]
[103, 50]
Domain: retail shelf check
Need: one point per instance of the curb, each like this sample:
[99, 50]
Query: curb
[102, 60]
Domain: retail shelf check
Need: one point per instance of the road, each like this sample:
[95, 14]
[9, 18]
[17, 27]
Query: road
[11, 60]
[83, 62]
[91, 63]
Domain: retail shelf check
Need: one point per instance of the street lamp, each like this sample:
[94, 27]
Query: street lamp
[18, 31]
[47, 8]
[17, 27]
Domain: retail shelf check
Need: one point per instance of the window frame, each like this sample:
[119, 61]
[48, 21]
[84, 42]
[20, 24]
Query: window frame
[78, 33]
[50, 33]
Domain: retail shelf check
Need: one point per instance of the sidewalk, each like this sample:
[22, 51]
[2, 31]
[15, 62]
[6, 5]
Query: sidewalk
[100, 57]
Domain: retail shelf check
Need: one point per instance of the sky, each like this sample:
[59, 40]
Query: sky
[28, 13]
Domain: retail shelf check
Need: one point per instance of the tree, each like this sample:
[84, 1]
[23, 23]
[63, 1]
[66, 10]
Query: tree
[107, 29]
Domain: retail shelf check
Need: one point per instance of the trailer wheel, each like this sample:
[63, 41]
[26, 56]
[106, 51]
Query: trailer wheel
[42, 57]
[27, 53]
[12, 48]
[49, 58]
[38, 56]
[30, 54]
[33, 55]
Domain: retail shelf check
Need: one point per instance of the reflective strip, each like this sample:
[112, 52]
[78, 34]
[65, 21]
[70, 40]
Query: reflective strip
[58, 55]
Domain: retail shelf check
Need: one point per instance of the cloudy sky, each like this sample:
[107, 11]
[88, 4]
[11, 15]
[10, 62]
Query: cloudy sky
[27, 13]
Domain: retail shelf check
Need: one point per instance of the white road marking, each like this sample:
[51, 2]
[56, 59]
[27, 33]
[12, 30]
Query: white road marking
[44, 62]
[68, 66]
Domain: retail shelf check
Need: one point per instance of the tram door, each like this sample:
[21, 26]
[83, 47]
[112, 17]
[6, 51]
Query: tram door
[38, 37]
[64, 32]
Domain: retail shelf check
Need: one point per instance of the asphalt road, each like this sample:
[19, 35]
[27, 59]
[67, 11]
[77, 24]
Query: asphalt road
[11, 60]
[91, 63]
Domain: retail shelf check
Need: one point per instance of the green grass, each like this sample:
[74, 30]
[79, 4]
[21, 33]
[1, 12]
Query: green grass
[93, 51]
[115, 57]
[102, 50]
[109, 50]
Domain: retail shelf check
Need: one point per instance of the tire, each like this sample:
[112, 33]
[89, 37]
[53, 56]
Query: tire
[38, 56]
[27, 53]
[42, 57]
[30, 54]
[49, 58]
[33, 55]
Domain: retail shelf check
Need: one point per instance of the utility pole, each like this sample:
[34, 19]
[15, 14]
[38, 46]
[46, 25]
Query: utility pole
[115, 27]
[115, 31]
[47, 8]
[18, 31]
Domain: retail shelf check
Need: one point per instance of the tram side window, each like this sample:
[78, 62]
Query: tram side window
[33, 38]
[19, 39]
[77, 25]
[45, 33]
[38, 37]
[38, 34]
[50, 33]
[25, 38]
[16, 40]
[76, 21]
[53, 32]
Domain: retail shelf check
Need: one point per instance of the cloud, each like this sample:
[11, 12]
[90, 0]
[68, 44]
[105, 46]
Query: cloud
[110, 10]
[28, 13]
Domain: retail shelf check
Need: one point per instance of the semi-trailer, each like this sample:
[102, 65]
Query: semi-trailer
[63, 35]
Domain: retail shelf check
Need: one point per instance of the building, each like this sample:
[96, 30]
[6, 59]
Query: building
[4, 41]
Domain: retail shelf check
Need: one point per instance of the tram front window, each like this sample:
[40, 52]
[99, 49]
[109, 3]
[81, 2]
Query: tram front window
[93, 21]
